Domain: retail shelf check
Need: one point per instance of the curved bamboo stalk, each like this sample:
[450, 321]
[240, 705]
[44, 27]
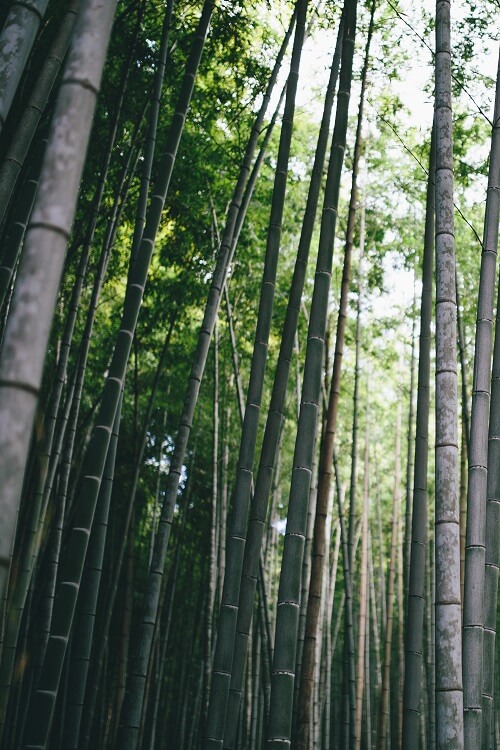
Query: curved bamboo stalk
[449, 694]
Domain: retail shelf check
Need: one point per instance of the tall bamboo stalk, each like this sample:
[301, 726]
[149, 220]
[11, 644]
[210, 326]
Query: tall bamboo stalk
[473, 611]
[363, 598]
[492, 553]
[417, 582]
[31, 313]
[212, 574]
[383, 716]
[410, 458]
[44, 699]
[279, 728]
[221, 677]
[449, 695]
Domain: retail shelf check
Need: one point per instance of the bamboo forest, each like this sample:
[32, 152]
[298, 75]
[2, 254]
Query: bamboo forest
[249, 375]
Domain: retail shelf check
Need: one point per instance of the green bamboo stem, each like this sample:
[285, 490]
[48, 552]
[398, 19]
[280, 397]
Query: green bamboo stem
[383, 732]
[21, 214]
[87, 603]
[410, 459]
[363, 599]
[150, 141]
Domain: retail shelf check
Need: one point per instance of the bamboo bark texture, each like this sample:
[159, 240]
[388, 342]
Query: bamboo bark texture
[28, 123]
[16, 41]
[34, 300]
[449, 695]
[473, 607]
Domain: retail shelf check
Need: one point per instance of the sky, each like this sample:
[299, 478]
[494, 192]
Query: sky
[417, 73]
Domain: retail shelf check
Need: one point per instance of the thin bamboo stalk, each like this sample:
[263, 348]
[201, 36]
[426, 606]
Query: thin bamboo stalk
[35, 106]
[417, 582]
[363, 598]
[383, 716]
[475, 603]
[490, 688]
